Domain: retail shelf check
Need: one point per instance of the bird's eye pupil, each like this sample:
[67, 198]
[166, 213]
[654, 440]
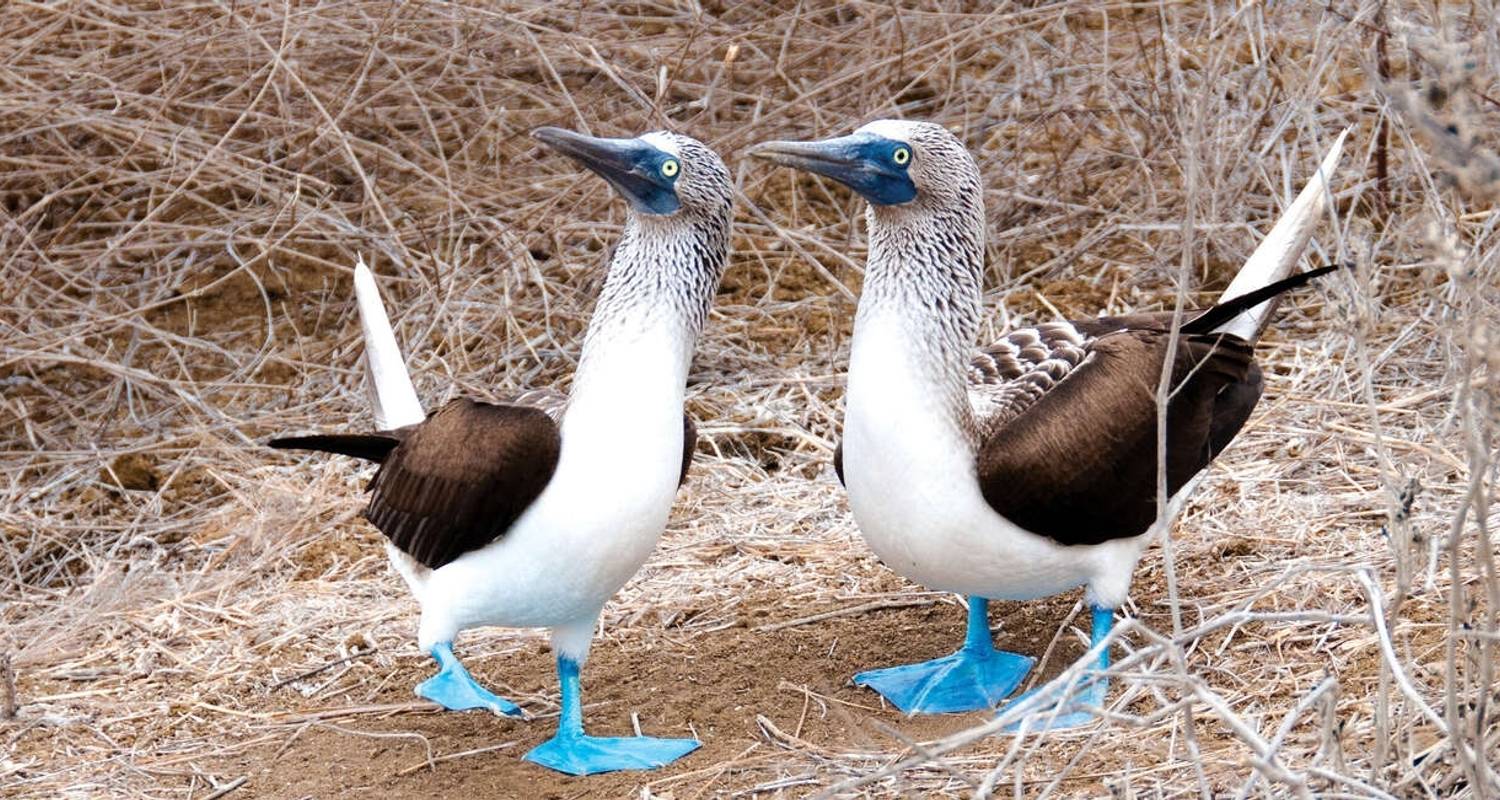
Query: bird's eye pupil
[901, 156]
[669, 168]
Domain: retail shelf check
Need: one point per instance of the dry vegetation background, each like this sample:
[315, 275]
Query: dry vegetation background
[184, 187]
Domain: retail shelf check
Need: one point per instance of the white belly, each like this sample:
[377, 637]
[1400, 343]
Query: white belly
[597, 521]
[916, 498]
[562, 560]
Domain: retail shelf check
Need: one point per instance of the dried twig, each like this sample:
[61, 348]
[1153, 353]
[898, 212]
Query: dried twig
[8, 703]
[431, 763]
[862, 608]
[321, 668]
[227, 788]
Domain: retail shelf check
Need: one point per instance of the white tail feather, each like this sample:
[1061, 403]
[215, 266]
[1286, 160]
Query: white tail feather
[391, 392]
[1277, 255]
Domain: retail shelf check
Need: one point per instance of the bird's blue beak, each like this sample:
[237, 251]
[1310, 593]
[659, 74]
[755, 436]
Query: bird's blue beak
[872, 165]
[643, 174]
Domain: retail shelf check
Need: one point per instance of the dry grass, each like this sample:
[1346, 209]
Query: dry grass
[185, 186]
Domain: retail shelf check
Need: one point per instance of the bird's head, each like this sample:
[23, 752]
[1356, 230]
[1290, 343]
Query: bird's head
[894, 164]
[660, 174]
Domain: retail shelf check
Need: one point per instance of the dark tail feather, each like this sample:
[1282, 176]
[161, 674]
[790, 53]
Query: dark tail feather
[1228, 310]
[370, 447]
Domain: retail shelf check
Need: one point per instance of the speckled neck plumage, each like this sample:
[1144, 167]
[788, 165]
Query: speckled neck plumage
[925, 267]
[663, 274]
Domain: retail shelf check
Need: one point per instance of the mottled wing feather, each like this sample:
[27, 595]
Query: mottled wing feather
[1080, 466]
[459, 480]
[1011, 375]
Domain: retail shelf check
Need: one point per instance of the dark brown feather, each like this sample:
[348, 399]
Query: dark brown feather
[461, 478]
[1232, 406]
[368, 446]
[838, 462]
[689, 444]
[1069, 448]
[1007, 378]
[1080, 466]
[1220, 313]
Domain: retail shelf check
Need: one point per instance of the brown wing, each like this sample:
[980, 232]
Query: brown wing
[1009, 376]
[1079, 465]
[461, 478]
[689, 444]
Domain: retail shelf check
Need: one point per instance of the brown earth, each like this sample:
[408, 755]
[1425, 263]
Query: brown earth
[715, 686]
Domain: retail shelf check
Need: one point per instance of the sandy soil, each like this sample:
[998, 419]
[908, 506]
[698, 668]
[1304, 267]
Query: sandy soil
[716, 686]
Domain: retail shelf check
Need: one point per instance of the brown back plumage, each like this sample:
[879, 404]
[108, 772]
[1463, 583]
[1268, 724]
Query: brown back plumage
[1068, 447]
[1065, 414]
[461, 478]
[1079, 466]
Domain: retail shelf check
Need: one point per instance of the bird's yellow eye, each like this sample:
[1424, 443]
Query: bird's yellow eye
[901, 156]
[669, 168]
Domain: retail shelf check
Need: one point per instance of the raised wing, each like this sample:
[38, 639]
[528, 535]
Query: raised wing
[459, 480]
[1078, 464]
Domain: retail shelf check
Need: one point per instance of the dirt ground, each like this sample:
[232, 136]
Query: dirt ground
[716, 686]
[740, 665]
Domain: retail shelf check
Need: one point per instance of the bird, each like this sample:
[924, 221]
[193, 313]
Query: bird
[1027, 467]
[534, 512]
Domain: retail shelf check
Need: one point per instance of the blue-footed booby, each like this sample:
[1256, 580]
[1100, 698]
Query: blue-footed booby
[535, 512]
[1029, 467]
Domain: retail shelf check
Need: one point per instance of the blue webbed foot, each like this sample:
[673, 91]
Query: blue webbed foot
[975, 678]
[581, 754]
[574, 752]
[455, 689]
[964, 681]
[1070, 712]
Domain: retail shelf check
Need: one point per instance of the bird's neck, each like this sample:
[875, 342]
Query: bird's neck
[920, 307]
[655, 301]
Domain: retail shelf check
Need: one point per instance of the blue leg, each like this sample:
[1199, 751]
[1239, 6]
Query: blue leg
[975, 677]
[454, 688]
[576, 753]
[1070, 713]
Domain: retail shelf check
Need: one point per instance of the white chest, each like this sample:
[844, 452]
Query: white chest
[914, 491]
[604, 510]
